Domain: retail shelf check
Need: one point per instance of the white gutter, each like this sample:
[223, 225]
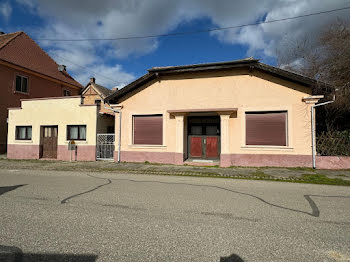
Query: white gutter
[120, 127]
[313, 135]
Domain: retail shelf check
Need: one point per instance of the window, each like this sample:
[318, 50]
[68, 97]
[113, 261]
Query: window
[23, 132]
[66, 93]
[266, 128]
[77, 132]
[21, 84]
[148, 130]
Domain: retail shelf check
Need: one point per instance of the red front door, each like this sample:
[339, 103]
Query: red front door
[196, 147]
[212, 147]
[204, 146]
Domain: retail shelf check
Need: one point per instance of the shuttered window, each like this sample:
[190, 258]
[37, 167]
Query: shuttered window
[266, 128]
[148, 130]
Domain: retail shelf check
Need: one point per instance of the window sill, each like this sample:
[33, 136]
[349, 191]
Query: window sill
[147, 146]
[267, 148]
[77, 142]
[22, 93]
[24, 141]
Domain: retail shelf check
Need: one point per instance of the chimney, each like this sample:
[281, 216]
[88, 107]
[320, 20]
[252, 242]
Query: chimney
[115, 89]
[62, 68]
[92, 79]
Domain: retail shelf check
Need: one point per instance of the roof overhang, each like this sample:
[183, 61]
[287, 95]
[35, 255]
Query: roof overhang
[220, 111]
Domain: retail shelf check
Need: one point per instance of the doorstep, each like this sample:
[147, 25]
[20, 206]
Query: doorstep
[202, 162]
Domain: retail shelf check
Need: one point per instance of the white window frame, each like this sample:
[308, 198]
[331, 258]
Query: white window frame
[289, 127]
[21, 76]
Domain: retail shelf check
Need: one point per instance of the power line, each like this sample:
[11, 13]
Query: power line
[195, 32]
[107, 78]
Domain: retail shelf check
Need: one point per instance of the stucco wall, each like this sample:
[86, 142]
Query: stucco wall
[60, 112]
[37, 87]
[225, 89]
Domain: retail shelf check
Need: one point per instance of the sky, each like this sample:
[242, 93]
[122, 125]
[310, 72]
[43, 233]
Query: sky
[117, 63]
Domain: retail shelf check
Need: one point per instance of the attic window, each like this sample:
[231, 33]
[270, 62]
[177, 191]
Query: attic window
[21, 84]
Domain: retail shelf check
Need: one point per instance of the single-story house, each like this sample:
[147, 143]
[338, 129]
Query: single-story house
[236, 113]
[43, 127]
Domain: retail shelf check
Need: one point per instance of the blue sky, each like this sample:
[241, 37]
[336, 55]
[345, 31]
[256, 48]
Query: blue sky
[117, 63]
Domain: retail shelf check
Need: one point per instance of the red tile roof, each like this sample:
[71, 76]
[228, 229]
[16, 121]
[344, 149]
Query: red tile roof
[19, 49]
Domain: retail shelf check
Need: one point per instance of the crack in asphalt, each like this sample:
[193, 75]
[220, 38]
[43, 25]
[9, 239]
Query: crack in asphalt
[315, 212]
[64, 201]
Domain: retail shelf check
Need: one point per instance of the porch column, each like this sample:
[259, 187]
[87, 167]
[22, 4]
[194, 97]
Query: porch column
[225, 160]
[179, 149]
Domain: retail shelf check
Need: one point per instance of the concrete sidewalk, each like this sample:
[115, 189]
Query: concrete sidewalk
[338, 177]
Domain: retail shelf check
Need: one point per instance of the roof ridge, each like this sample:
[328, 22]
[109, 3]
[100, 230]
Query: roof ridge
[15, 34]
[247, 59]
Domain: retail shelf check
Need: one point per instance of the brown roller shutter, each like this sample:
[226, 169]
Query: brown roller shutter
[148, 130]
[268, 128]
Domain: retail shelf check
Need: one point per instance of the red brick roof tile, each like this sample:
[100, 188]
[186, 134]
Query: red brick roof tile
[19, 49]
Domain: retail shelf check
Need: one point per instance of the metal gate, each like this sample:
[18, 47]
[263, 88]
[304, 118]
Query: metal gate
[105, 146]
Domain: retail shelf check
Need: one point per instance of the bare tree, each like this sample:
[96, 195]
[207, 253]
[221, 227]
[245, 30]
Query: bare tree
[326, 58]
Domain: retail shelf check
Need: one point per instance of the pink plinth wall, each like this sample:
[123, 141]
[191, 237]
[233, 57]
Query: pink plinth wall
[23, 151]
[333, 162]
[152, 157]
[83, 153]
[259, 160]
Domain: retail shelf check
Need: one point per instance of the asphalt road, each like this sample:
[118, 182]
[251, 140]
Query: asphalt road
[75, 216]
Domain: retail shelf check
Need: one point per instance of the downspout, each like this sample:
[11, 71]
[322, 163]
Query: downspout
[120, 128]
[313, 135]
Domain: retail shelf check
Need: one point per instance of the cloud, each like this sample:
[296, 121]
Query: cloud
[84, 59]
[5, 10]
[123, 18]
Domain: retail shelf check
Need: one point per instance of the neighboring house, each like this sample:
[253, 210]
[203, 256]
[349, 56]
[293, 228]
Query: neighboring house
[26, 71]
[94, 94]
[237, 113]
[43, 127]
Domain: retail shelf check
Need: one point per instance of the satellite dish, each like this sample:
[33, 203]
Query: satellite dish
[61, 68]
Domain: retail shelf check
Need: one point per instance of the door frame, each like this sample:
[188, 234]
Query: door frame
[203, 120]
[42, 128]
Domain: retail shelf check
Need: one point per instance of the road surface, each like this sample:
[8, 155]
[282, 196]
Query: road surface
[82, 216]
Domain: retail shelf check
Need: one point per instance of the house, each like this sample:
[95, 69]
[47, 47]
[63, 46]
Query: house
[43, 127]
[26, 71]
[236, 113]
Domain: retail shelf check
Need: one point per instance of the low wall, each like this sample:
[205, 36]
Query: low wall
[333, 162]
[152, 157]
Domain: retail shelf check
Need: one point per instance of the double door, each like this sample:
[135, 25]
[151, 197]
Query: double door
[205, 147]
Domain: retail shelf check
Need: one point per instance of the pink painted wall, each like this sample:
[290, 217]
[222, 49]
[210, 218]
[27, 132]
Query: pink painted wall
[152, 157]
[260, 160]
[23, 151]
[84, 153]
